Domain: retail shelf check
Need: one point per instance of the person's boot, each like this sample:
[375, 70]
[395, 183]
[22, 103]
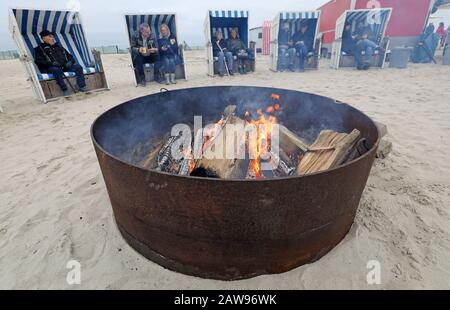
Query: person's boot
[66, 93]
[167, 76]
[173, 78]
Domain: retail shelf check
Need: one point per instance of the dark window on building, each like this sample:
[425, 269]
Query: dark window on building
[260, 35]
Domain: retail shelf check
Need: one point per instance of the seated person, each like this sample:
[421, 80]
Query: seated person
[303, 43]
[220, 50]
[238, 48]
[426, 47]
[168, 49]
[430, 29]
[364, 30]
[51, 57]
[144, 49]
[348, 40]
[284, 43]
[368, 47]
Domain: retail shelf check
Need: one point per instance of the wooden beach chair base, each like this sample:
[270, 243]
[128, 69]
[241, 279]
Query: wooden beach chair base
[94, 82]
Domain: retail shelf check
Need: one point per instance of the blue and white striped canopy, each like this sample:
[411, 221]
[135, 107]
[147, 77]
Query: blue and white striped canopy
[229, 14]
[66, 27]
[154, 21]
[296, 18]
[378, 24]
[225, 21]
[300, 15]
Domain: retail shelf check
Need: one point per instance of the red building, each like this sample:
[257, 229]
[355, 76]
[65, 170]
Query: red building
[408, 20]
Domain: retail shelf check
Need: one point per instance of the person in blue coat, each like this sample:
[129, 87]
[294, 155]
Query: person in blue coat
[168, 51]
[303, 43]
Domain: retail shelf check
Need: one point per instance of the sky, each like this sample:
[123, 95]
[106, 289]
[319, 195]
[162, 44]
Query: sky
[105, 25]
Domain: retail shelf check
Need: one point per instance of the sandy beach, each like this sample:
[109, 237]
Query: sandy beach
[54, 206]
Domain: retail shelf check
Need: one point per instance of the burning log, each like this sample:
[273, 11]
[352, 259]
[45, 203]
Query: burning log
[150, 161]
[251, 175]
[189, 162]
[215, 132]
[164, 158]
[216, 157]
[280, 167]
[330, 150]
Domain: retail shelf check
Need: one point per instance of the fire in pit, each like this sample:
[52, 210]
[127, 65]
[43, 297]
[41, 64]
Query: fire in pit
[273, 183]
[249, 148]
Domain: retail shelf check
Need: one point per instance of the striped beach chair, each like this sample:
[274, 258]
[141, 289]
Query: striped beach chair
[25, 26]
[295, 19]
[377, 20]
[155, 20]
[225, 21]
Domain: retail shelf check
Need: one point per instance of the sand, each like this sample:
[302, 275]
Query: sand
[54, 206]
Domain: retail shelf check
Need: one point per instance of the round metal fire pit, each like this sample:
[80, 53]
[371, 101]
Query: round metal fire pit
[222, 229]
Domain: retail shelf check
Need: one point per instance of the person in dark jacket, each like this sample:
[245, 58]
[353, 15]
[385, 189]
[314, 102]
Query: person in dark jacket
[303, 43]
[348, 41]
[364, 30]
[168, 49]
[429, 30]
[365, 46]
[52, 58]
[144, 49]
[238, 49]
[220, 50]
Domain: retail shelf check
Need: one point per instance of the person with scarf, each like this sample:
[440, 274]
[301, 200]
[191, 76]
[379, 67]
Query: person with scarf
[238, 49]
[168, 50]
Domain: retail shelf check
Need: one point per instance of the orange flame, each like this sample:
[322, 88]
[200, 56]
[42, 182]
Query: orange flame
[275, 97]
[264, 126]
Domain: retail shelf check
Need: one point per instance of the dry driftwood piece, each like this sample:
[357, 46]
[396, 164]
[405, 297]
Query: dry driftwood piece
[359, 150]
[215, 160]
[290, 142]
[330, 150]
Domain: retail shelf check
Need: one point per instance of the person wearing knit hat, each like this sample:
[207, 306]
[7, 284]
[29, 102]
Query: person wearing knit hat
[52, 58]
